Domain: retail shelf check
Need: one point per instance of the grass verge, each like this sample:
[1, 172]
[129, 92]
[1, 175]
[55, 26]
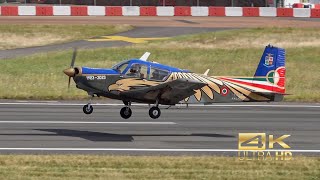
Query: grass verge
[154, 167]
[247, 38]
[40, 76]
[19, 36]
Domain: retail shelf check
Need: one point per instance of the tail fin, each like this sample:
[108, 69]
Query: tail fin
[272, 69]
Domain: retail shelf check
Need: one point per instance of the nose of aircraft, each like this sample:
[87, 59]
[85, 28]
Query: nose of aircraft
[69, 72]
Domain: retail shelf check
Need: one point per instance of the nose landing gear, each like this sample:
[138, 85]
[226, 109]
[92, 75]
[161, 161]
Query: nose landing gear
[88, 108]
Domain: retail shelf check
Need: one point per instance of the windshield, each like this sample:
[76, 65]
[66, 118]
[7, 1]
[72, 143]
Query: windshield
[119, 64]
[120, 67]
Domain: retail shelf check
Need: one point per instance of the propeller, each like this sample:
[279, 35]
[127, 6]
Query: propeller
[71, 71]
[74, 55]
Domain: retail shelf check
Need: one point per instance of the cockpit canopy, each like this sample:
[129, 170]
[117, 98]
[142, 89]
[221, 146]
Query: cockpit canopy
[145, 70]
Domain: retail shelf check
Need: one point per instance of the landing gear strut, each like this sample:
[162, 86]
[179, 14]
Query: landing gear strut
[126, 112]
[154, 112]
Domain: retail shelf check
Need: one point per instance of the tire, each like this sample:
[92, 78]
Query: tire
[87, 109]
[154, 112]
[125, 112]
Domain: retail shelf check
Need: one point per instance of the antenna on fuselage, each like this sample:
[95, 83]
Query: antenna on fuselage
[145, 56]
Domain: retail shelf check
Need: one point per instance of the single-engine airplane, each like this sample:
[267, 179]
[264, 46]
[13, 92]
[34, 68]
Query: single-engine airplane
[143, 81]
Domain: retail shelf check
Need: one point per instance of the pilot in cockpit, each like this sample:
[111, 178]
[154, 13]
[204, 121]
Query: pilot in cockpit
[134, 71]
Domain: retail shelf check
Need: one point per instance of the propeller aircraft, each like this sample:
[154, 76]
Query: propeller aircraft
[143, 81]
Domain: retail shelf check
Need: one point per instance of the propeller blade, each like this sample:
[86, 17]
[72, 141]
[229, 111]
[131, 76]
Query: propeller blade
[73, 57]
[69, 83]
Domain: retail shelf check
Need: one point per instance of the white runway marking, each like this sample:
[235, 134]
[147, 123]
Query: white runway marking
[178, 105]
[84, 122]
[149, 150]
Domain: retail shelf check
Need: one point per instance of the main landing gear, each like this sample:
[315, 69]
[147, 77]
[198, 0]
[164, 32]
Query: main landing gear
[154, 112]
[126, 112]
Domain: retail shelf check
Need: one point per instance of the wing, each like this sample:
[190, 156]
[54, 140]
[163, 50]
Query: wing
[168, 93]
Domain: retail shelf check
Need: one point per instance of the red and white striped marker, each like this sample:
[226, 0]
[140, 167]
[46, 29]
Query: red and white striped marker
[158, 11]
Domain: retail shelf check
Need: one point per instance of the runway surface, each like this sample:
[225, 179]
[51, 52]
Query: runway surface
[63, 128]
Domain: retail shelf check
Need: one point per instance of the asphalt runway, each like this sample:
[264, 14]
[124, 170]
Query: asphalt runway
[204, 130]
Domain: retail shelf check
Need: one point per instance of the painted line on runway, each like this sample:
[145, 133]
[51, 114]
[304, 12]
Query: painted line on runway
[125, 39]
[152, 150]
[85, 122]
[178, 105]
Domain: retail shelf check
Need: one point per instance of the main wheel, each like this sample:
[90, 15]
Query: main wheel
[87, 109]
[154, 112]
[125, 112]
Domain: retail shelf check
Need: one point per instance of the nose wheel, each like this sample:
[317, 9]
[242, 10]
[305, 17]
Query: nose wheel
[125, 112]
[154, 112]
[88, 108]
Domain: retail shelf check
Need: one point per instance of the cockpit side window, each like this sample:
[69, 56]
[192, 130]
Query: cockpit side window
[138, 71]
[158, 74]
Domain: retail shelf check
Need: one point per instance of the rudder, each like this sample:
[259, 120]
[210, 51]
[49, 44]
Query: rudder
[272, 68]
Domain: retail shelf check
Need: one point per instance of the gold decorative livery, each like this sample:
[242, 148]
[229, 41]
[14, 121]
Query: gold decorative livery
[143, 81]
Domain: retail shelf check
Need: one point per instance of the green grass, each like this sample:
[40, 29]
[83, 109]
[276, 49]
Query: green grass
[155, 167]
[19, 36]
[40, 76]
[248, 38]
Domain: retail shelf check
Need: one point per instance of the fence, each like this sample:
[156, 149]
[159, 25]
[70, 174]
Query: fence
[73, 10]
[236, 3]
